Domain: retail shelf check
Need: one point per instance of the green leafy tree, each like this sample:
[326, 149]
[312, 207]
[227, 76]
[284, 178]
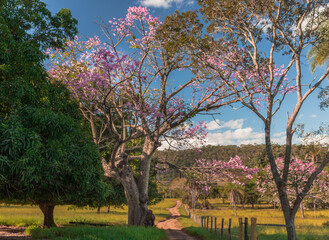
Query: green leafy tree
[46, 157]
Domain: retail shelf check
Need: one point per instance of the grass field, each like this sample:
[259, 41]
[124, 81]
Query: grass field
[95, 233]
[309, 228]
[31, 215]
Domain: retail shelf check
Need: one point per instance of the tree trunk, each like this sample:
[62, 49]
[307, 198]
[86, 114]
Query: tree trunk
[235, 210]
[108, 208]
[48, 214]
[314, 209]
[136, 188]
[302, 210]
[98, 209]
[138, 214]
[291, 230]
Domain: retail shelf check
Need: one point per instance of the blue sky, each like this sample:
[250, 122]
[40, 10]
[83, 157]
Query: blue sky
[235, 126]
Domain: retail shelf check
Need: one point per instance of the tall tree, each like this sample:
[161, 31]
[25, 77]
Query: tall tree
[43, 149]
[136, 96]
[286, 28]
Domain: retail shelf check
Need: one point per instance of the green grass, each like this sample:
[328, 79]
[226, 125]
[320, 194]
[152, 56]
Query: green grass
[195, 229]
[13, 215]
[309, 228]
[95, 233]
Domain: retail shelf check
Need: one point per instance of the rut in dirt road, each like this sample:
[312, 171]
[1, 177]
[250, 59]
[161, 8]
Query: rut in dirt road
[173, 227]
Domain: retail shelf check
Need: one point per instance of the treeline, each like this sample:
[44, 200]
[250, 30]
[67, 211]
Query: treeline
[252, 155]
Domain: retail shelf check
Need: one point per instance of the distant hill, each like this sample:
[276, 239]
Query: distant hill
[252, 155]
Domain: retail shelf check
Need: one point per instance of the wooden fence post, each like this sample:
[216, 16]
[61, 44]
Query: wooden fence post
[229, 229]
[241, 228]
[253, 231]
[222, 229]
[211, 224]
[246, 237]
[207, 222]
[215, 224]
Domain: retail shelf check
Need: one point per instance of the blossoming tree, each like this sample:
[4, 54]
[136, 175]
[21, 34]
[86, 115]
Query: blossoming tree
[270, 32]
[132, 93]
[208, 173]
[300, 172]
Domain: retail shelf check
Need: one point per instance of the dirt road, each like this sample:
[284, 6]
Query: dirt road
[173, 227]
[13, 233]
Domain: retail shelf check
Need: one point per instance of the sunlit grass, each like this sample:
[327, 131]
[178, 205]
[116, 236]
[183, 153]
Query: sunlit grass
[106, 233]
[307, 229]
[31, 215]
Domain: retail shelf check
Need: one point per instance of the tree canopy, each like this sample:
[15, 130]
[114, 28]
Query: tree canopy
[46, 156]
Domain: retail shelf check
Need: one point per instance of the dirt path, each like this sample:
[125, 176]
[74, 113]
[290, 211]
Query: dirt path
[173, 227]
[13, 233]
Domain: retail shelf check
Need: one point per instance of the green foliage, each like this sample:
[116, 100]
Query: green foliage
[319, 53]
[27, 28]
[43, 157]
[45, 154]
[250, 193]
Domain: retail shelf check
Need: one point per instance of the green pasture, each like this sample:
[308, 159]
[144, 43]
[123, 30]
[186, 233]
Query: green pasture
[309, 228]
[31, 215]
[95, 233]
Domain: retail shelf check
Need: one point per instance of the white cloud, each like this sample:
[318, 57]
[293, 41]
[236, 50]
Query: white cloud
[232, 124]
[301, 116]
[234, 134]
[314, 116]
[159, 3]
[235, 137]
[279, 134]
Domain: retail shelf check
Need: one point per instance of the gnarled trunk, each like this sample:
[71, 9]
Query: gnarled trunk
[48, 214]
[138, 213]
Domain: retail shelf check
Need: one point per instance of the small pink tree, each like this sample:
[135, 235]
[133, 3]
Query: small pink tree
[208, 173]
[300, 173]
[131, 99]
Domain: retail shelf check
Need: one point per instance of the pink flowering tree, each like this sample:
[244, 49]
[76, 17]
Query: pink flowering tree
[206, 174]
[300, 172]
[271, 32]
[132, 92]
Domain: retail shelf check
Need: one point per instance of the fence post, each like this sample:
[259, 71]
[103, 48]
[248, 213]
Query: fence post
[222, 229]
[246, 237]
[229, 229]
[202, 221]
[241, 228]
[215, 224]
[211, 224]
[253, 231]
[207, 222]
